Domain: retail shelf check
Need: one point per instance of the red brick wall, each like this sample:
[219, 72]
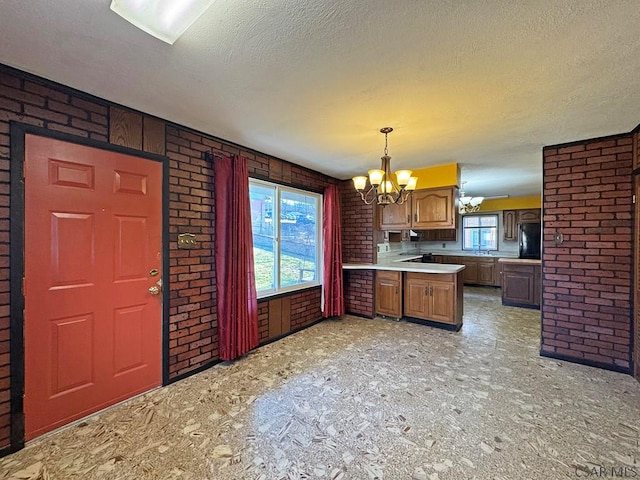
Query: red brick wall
[587, 289]
[357, 247]
[193, 340]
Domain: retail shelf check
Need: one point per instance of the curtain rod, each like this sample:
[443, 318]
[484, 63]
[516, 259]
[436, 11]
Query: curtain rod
[211, 154]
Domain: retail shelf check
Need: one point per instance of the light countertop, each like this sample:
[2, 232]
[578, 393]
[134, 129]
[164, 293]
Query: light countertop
[400, 263]
[522, 261]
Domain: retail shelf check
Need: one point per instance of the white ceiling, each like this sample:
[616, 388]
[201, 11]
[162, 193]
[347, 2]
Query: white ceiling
[485, 83]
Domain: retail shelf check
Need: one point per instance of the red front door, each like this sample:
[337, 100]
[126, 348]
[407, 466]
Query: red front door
[92, 249]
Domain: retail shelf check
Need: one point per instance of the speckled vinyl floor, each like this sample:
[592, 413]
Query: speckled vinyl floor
[366, 399]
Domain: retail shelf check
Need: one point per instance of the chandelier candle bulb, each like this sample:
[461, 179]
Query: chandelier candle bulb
[375, 177]
[360, 183]
[403, 177]
[413, 182]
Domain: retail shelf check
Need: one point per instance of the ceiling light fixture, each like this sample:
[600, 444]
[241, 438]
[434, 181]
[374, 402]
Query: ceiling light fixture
[468, 204]
[384, 190]
[164, 19]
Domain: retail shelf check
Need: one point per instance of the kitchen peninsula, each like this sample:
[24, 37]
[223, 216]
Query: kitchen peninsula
[428, 292]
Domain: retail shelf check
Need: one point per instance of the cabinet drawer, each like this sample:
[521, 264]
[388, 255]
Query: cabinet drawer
[431, 277]
[520, 268]
[389, 275]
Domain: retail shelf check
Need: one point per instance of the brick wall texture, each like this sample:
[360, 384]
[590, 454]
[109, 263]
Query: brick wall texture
[357, 247]
[587, 279]
[193, 337]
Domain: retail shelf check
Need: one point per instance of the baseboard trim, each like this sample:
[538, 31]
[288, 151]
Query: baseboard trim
[587, 362]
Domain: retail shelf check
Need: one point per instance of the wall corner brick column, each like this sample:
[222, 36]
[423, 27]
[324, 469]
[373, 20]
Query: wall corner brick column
[587, 281]
[357, 247]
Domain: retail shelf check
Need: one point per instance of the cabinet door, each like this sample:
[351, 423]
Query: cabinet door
[447, 235]
[442, 300]
[394, 216]
[416, 293]
[470, 273]
[529, 216]
[434, 208]
[510, 225]
[487, 272]
[518, 285]
[388, 295]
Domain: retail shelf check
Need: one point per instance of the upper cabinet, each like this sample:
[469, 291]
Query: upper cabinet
[531, 215]
[395, 216]
[433, 208]
[511, 219]
[510, 224]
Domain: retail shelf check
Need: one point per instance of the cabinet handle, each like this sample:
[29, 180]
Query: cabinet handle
[415, 217]
[431, 291]
[409, 218]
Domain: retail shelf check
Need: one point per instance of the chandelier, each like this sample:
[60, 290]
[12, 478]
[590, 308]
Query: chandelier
[468, 204]
[384, 190]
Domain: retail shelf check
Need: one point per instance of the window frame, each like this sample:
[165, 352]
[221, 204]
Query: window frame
[275, 214]
[496, 228]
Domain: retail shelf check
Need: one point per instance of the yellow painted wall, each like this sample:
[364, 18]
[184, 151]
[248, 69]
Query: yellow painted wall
[514, 203]
[438, 176]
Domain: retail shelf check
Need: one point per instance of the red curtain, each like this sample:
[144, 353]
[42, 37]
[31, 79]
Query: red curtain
[237, 305]
[332, 234]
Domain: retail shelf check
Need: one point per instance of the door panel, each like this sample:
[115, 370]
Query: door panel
[71, 354]
[92, 235]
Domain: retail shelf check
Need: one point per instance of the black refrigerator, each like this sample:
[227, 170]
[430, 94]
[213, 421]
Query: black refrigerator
[529, 240]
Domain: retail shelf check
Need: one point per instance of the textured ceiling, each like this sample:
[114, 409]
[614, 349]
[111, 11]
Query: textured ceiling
[483, 83]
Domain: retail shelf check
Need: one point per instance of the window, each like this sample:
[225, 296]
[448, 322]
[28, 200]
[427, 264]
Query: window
[287, 237]
[480, 232]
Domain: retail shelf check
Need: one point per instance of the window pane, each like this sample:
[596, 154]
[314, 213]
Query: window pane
[471, 221]
[262, 212]
[298, 238]
[480, 232]
[489, 221]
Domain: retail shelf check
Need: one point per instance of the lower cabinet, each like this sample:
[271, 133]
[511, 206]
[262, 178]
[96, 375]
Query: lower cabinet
[478, 270]
[487, 272]
[434, 297]
[521, 285]
[388, 294]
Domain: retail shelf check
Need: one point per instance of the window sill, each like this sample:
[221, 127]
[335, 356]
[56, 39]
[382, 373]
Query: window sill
[287, 292]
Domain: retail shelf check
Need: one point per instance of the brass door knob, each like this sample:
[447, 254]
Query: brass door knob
[154, 290]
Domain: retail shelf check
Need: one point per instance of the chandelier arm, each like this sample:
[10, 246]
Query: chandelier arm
[364, 196]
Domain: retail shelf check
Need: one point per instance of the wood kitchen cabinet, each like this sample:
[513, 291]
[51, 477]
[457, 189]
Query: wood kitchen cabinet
[511, 219]
[428, 209]
[521, 284]
[434, 208]
[470, 272]
[487, 272]
[510, 225]
[388, 293]
[478, 270]
[531, 215]
[394, 216]
[434, 297]
[442, 235]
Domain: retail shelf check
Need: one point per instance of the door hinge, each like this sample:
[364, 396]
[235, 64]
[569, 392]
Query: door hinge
[634, 198]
